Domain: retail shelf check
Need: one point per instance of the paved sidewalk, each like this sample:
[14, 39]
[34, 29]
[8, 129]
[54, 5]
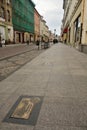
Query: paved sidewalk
[14, 49]
[59, 77]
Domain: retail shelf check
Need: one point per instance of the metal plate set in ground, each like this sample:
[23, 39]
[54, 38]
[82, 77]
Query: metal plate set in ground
[25, 110]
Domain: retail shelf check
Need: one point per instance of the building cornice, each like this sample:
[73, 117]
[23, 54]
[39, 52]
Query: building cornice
[67, 19]
[75, 9]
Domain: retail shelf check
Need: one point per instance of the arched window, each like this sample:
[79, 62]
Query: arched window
[8, 15]
[2, 12]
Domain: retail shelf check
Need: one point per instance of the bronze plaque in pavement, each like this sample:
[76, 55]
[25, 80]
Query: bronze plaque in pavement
[24, 108]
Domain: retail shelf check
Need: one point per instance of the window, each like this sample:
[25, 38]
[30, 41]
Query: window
[2, 12]
[8, 15]
[9, 33]
[77, 25]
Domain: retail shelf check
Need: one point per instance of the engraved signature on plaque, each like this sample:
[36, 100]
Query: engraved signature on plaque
[25, 107]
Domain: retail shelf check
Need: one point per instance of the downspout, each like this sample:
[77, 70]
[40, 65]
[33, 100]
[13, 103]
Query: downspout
[83, 6]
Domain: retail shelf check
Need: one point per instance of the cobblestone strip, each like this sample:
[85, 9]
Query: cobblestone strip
[10, 65]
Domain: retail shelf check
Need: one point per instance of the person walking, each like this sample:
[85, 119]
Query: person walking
[38, 43]
[28, 42]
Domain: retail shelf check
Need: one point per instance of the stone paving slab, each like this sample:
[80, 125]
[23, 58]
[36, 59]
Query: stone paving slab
[15, 49]
[9, 65]
[60, 76]
[63, 112]
[11, 126]
[56, 127]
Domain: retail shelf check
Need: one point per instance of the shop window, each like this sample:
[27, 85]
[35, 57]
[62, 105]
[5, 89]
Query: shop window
[9, 33]
[77, 25]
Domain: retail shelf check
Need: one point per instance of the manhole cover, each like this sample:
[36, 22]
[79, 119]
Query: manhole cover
[25, 110]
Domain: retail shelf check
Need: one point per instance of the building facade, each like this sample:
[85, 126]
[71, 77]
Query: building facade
[37, 25]
[51, 36]
[44, 30]
[6, 27]
[74, 28]
[23, 20]
[46, 33]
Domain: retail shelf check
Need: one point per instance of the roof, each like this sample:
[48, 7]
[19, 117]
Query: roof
[32, 3]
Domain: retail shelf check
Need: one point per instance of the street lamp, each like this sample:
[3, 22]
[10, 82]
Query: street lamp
[54, 32]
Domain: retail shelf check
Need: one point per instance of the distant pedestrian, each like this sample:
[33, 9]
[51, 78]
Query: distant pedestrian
[38, 43]
[27, 42]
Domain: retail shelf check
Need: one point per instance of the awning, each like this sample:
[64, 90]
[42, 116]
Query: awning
[65, 30]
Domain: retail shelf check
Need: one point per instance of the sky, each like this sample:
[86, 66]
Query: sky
[52, 12]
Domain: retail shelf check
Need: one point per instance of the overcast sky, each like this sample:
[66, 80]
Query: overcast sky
[52, 12]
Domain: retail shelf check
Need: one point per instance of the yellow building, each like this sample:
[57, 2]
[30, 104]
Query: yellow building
[37, 25]
[44, 30]
[75, 23]
[6, 27]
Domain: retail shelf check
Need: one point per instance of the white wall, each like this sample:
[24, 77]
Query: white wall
[10, 33]
[3, 35]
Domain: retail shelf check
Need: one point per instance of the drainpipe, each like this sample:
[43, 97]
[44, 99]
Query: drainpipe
[81, 33]
[83, 8]
[83, 14]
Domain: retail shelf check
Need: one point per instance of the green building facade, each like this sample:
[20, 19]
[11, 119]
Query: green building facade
[23, 20]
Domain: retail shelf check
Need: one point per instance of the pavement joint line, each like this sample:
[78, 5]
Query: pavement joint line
[19, 66]
[5, 58]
